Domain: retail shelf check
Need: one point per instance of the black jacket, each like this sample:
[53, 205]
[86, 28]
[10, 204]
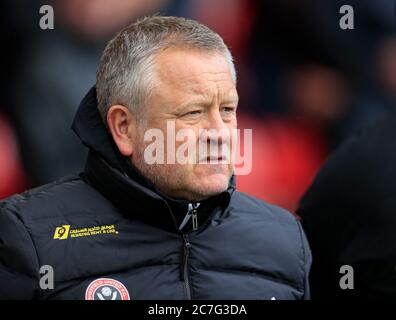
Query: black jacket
[107, 233]
[349, 216]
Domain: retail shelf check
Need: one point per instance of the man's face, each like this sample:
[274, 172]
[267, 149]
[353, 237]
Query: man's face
[194, 91]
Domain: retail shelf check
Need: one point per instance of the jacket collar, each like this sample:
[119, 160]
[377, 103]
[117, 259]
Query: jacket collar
[116, 178]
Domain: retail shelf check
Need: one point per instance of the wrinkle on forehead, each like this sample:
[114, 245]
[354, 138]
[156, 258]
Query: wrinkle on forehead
[188, 65]
[188, 73]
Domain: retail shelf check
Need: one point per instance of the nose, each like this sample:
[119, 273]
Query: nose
[215, 131]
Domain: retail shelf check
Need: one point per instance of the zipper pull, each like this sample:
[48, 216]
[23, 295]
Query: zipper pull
[195, 216]
[195, 220]
[191, 212]
[187, 216]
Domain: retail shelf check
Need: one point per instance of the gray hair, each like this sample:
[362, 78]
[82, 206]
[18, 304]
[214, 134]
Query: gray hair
[125, 75]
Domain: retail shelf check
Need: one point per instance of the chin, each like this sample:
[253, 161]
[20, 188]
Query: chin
[214, 184]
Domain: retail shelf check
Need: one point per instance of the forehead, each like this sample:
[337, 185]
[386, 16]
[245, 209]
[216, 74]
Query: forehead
[193, 71]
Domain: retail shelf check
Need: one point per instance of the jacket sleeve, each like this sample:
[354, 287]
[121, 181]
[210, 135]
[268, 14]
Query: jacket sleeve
[307, 262]
[19, 266]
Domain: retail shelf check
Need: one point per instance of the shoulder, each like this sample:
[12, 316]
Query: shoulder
[277, 233]
[66, 196]
[253, 207]
[270, 223]
[28, 220]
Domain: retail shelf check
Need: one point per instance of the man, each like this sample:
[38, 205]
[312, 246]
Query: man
[133, 228]
[349, 217]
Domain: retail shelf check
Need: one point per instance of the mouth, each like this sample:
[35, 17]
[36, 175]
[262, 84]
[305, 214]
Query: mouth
[214, 160]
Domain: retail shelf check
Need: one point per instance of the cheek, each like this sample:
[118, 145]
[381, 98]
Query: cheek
[186, 146]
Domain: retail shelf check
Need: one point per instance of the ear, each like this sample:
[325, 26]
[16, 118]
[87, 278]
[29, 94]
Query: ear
[122, 127]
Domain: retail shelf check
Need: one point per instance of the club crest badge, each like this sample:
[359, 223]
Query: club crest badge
[106, 289]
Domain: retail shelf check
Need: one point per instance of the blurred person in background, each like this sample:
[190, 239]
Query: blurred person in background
[349, 217]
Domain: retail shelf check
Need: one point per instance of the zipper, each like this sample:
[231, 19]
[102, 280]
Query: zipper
[193, 213]
[186, 253]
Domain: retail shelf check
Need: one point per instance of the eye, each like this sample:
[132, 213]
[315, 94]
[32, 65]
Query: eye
[228, 110]
[194, 113]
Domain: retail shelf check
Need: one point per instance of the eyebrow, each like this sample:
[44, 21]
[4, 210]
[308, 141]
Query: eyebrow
[232, 99]
[208, 102]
